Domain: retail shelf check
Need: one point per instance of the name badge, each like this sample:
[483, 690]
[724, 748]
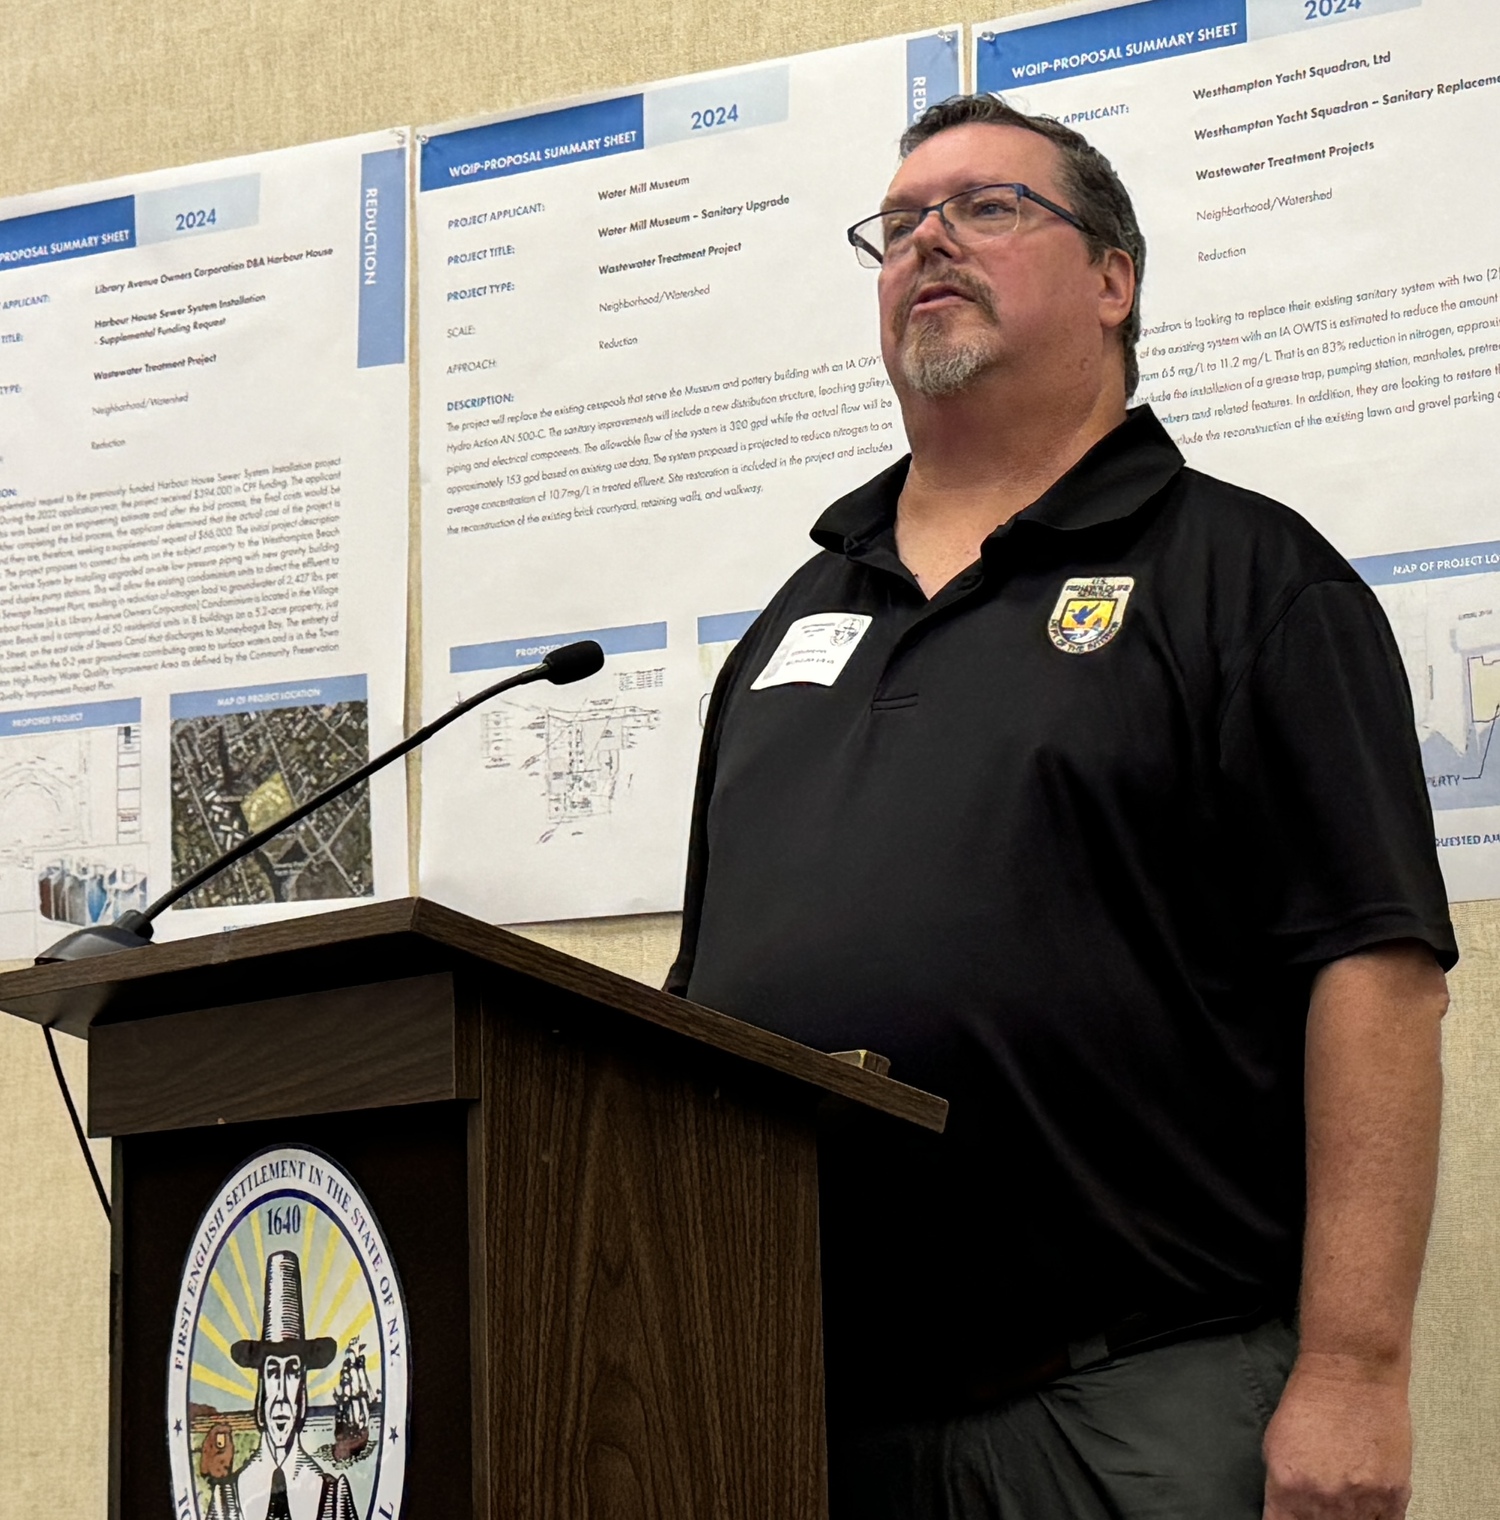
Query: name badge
[814, 650]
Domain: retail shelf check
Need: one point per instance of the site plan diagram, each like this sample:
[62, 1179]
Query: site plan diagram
[582, 757]
[71, 850]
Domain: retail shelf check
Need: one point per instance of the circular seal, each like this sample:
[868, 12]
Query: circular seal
[287, 1381]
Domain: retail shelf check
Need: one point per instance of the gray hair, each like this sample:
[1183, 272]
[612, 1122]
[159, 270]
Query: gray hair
[1099, 200]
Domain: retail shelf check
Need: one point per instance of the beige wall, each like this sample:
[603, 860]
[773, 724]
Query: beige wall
[94, 88]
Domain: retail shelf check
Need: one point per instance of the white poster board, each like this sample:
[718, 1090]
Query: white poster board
[1322, 299]
[203, 499]
[649, 361]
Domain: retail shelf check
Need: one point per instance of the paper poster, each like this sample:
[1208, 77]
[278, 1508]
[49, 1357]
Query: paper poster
[203, 495]
[1322, 299]
[649, 361]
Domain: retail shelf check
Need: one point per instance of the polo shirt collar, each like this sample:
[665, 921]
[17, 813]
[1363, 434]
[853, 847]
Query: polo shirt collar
[1115, 479]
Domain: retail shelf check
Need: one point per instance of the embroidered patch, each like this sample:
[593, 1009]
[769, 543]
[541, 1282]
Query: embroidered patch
[1089, 612]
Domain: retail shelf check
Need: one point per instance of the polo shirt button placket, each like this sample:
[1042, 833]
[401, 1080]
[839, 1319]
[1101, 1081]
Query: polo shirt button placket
[887, 700]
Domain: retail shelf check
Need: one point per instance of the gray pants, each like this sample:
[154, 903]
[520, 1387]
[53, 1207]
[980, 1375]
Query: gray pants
[1172, 1433]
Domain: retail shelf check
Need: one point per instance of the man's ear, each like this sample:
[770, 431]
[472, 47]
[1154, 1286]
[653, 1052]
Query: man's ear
[1116, 287]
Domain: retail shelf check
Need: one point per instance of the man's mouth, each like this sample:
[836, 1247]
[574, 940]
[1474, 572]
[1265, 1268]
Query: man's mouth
[932, 297]
[951, 289]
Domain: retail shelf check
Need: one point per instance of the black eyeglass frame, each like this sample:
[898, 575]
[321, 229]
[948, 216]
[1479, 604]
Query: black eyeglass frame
[860, 243]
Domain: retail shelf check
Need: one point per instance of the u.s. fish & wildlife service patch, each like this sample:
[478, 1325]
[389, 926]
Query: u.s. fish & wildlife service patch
[1089, 612]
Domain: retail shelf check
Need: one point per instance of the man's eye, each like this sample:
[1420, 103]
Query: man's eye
[990, 208]
[900, 224]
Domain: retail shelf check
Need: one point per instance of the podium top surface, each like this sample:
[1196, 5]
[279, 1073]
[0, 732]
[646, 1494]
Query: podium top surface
[378, 941]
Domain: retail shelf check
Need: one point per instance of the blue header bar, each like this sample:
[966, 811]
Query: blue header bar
[633, 639]
[524, 143]
[51, 720]
[72, 232]
[931, 70]
[1108, 39]
[241, 699]
[724, 627]
[1429, 564]
[382, 258]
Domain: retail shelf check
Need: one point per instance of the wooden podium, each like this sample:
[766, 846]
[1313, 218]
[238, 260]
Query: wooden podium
[602, 1202]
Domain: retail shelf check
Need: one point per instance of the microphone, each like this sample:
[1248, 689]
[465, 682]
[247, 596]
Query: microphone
[563, 666]
[573, 662]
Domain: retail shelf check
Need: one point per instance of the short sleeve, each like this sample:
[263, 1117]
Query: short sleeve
[1325, 790]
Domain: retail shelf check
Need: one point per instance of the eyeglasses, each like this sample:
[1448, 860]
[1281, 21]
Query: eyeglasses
[971, 216]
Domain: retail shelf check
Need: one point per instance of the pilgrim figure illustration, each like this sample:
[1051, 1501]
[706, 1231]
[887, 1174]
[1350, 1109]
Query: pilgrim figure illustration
[281, 1481]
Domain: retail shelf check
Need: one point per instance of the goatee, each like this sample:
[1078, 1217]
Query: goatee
[935, 363]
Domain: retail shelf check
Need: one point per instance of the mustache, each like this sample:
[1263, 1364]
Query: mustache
[960, 279]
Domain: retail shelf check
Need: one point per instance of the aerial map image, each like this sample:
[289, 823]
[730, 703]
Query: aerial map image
[1444, 607]
[235, 771]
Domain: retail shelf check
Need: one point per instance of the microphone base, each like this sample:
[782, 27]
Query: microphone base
[132, 932]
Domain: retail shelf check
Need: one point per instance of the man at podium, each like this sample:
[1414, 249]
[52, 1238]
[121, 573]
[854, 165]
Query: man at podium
[1084, 786]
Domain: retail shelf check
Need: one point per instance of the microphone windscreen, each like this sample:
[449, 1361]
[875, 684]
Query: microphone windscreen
[573, 662]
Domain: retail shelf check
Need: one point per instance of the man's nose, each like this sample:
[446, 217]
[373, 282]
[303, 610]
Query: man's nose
[933, 234]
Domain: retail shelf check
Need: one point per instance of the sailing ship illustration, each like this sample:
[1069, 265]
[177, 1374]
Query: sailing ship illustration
[352, 1405]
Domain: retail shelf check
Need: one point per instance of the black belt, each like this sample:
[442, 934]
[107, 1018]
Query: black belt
[1143, 1331]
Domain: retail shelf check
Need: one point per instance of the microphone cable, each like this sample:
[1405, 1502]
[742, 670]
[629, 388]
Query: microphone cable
[83, 1140]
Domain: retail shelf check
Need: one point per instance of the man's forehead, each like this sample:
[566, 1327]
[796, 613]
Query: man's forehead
[979, 153]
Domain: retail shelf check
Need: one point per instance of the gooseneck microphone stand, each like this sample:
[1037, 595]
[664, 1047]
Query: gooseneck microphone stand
[132, 930]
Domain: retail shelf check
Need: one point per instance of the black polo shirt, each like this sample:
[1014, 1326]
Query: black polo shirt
[1067, 843]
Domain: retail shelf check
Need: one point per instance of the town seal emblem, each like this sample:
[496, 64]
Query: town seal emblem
[287, 1393]
[1089, 612]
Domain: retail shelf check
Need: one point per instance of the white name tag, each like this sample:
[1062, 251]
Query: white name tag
[815, 649]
